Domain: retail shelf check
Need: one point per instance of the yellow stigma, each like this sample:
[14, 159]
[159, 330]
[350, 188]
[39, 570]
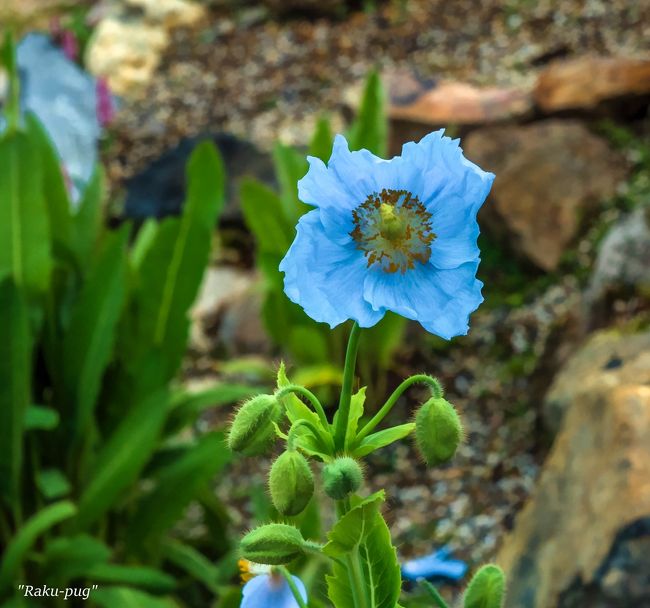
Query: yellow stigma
[391, 225]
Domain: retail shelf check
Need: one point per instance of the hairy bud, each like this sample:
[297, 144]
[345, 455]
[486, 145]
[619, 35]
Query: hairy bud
[273, 544]
[291, 483]
[486, 589]
[438, 431]
[342, 477]
[252, 431]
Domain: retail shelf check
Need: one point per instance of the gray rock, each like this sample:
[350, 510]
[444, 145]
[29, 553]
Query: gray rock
[64, 99]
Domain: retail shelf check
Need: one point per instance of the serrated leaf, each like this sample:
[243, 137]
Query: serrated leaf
[176, 486]
[52, 483]
[89, 338]
[24, 228]
[356, 411]
[370, 127]
[15, 386]
[122, 457]
[382, 438]
[26, 536]
[360, 542]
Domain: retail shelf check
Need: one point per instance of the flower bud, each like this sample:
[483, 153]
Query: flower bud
[486, 589]
[342, 477]
[273, 544]
[291, 483]
[438, 431]
[252, 431]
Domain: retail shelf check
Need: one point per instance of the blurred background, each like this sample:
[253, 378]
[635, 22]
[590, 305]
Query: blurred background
[553, 380]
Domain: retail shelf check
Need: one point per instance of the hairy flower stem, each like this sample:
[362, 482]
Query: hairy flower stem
[436, 391]
[346, 388]
[292, 585]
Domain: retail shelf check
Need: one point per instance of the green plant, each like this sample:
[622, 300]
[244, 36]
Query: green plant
[272, 217]
[96, 464]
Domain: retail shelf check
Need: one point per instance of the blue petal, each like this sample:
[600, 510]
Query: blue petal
[264, 591]
[434, 565]
[441, 300]
[326, 277]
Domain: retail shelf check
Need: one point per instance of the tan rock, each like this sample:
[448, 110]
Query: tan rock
[170, 13]
[593, 494]
[30, 14]
[586, 82]
[453, 103]
[549, 176]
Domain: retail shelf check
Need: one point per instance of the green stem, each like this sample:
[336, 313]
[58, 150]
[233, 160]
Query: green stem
[436, 390]
[346, 388]
[433, 592]
[292, 585]
[301, 390]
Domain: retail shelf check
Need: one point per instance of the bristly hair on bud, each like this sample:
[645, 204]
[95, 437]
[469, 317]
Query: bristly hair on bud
[273, 544]
[342, 477]
[291, 483]
[252, 430]
[487, 589]
[438, 431]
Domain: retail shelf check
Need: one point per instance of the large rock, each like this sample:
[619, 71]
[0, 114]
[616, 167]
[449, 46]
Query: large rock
[550, 176]
[585, 83]
[621, 269]
[128, 42]
[583, 538]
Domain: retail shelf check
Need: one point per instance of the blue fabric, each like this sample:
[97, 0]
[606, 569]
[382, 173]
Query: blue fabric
[329, 274]
[435, 565]
[271, 591]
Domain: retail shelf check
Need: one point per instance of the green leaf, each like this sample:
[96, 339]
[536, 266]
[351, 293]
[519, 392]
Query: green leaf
[124, 597]
[173, 266]
[70, 557]
[290, 167]
[308, 343]
[52, 483]
[38, 417]
[318, 375]
[15, 386]
[356, 411]
[193, 562]
[381, 341]
[146, 578]
[24, 230]
[176, 486]
[187, 406]
[370, 127]
[26, 536]
[88, 221]
[8, 59]
[322, 140]
[57, 200]
[382, 438]
[89, 338]
[360, 543]
[144, 239]
[486, 589]
[265, 218]
[122, 457]
[433, 592]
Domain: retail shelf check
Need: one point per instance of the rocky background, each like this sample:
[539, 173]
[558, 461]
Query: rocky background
[553, 381]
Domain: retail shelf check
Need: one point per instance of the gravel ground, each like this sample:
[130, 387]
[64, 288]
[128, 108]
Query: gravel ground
[262, 79]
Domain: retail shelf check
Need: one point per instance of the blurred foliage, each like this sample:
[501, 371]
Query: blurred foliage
[272, 218]
[98, 463]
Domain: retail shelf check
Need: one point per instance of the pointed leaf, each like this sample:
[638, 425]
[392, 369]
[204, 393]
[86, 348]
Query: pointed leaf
[322, 140]
[15, 386]
[370, 127]
[290, 167]
[382, 438]
[356, 411]
[41, 418]
[88, 221]
[52, 483]
[69, 557]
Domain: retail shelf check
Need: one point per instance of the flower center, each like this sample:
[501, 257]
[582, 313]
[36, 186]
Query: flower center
[393, 229]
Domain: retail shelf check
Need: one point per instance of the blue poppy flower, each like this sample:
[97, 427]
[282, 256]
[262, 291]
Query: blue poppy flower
[396, 234]
[438, 564]
[271, 591]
